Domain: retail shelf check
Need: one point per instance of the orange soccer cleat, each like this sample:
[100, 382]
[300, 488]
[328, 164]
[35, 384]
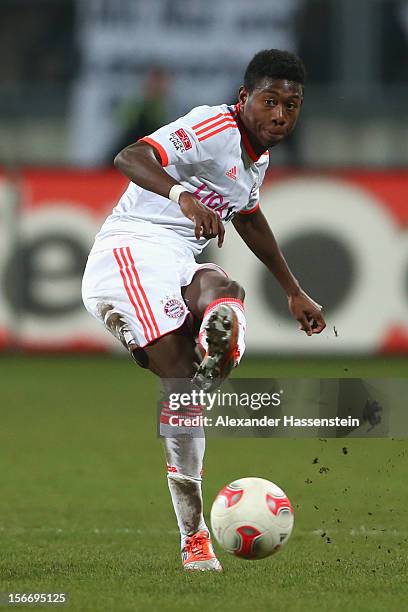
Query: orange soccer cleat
[198, 554]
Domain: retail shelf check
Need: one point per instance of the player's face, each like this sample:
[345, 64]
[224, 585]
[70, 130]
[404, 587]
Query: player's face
[271, 110]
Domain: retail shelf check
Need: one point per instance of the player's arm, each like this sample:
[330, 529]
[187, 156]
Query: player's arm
[141, 163]
[255, 231]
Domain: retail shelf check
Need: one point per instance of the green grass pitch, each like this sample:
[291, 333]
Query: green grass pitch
[84, 506]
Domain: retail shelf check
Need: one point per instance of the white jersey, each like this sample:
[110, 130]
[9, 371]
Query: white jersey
[208, 152]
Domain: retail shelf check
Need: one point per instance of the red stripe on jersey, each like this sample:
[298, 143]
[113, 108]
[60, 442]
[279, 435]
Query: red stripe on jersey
[249, 212]
[194, 127]
[245, 138]
[225, 127]
[133, 298]
[213, 125]
[248, 145]
[159, 148]
[142, 291]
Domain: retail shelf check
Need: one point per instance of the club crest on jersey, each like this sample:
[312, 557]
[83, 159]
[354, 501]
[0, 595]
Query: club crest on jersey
[174, 308]
[180, 140]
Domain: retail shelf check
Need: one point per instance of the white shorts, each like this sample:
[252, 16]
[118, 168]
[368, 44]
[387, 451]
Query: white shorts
[140, 279]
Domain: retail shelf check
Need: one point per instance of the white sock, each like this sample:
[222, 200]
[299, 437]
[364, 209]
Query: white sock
[238, 307]
[184, 455]
[188, 505]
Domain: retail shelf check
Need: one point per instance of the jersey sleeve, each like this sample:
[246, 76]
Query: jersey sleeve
[253, 203]
[188, 139]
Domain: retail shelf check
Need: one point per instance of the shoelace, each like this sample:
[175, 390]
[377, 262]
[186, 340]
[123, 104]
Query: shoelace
[196, 545]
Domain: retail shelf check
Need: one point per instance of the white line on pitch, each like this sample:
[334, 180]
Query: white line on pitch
[355, 531]
[360, 531]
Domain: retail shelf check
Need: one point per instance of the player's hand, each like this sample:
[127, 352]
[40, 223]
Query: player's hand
[307, 312]
[207, 223]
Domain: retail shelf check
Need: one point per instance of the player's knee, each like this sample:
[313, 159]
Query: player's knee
[236, 290]
[229, 288]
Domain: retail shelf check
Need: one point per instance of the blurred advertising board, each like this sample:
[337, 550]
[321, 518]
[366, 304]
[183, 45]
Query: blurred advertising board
[58, 216]
[8, 239]
[344, 234]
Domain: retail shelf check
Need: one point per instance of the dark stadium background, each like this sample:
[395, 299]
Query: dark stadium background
[84, 506]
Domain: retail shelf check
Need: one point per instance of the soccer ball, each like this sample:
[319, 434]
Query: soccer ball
[252, 518]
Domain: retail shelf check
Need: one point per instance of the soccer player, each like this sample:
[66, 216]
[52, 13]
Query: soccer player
[180, 319]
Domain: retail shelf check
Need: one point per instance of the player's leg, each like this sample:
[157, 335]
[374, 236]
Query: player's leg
[135, 294]
[172, 358]
[207, 286]
[217, 302]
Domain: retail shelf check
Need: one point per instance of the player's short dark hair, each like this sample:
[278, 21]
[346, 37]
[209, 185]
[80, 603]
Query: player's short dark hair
[274, 64]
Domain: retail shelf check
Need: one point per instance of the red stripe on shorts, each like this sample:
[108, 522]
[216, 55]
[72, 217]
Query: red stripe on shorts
[132, 275]
[142, 291]
[134, 298]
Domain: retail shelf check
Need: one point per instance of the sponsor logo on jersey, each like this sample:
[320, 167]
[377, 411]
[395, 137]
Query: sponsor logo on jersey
[180, 140]
[232, 173]
[174, 308]
[184, 138]
[215, 201]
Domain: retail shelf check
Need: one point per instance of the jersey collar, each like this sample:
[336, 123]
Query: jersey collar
[245, 138]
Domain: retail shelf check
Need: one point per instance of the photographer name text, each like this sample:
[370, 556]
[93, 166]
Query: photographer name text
[178, 420]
